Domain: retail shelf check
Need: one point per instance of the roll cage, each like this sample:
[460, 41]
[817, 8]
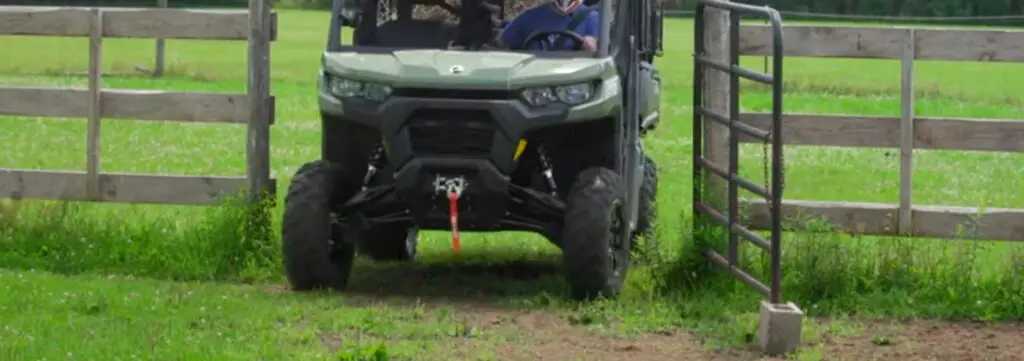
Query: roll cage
[388, 25]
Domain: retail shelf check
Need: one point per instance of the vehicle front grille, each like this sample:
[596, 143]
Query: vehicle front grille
[451, 132]
[472, 94]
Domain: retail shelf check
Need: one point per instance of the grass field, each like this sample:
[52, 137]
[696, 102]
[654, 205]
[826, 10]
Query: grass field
[109, 282]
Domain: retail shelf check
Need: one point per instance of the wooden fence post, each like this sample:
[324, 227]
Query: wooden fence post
[716, 99]
[92, 167]
[258, 145]
[158, 68]
[906, 226]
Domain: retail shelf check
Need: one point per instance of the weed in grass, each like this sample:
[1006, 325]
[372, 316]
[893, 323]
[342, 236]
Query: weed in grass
[71, 238]
[377, 352]
[831, 274]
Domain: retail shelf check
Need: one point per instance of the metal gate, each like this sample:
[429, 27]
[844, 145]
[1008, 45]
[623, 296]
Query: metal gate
[704, 213]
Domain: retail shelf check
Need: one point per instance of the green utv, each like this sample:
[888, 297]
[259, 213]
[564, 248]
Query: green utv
[427, 125]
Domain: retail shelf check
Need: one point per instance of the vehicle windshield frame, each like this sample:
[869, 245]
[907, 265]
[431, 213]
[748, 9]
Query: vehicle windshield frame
[375, 49]
[337, 43]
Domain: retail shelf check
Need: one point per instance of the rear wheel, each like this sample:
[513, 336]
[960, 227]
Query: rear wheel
[315, 254]
[390, 244]
[387, 243]
[647, 211]
[594, 252]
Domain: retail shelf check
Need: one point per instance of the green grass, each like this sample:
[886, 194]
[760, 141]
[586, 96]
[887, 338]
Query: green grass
[47, 317]
[168, 258]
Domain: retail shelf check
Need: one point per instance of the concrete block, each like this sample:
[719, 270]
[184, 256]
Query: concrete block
[780, 327]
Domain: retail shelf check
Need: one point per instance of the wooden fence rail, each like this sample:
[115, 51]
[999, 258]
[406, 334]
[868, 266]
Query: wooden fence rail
[255, 108]
[905, 132]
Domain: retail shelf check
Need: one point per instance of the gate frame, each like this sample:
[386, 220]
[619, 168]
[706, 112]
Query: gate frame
[717, 23]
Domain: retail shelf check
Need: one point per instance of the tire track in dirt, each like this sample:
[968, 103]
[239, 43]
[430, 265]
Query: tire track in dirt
[549, 335]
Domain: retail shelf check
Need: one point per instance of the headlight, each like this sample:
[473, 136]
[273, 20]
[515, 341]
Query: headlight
[376, 92]
[573, 94]
[539, 97]
[348, 88]
[345, 88]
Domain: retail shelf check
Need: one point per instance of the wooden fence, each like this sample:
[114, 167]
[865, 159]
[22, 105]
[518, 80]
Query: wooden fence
[905, 132]
[254, 108]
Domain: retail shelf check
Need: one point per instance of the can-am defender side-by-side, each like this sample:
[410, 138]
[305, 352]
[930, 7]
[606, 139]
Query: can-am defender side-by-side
[428, 126]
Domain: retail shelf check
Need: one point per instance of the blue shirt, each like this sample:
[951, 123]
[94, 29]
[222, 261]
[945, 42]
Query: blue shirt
[545, 17]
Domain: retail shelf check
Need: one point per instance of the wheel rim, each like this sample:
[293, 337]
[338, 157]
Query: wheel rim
[616, 246]
[333, 246]
[410, 242]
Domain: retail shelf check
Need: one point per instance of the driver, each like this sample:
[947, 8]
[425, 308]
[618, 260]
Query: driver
[554, 15]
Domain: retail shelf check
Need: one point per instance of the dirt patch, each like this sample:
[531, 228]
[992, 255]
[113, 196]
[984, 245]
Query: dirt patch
[549, 336]
[573, 346]
[472, 290]
[931, 341]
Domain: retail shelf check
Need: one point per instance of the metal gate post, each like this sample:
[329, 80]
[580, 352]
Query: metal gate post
[716, 130]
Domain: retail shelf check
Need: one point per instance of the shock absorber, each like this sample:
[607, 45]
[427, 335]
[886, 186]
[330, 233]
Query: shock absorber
[545, 169]
[371, 166]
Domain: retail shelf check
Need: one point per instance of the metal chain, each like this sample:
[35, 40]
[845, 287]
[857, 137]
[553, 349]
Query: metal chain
[782, 176]
[782, 163]
[764, 154]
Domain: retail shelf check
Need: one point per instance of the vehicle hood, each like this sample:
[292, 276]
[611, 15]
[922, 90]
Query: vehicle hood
[491, 70]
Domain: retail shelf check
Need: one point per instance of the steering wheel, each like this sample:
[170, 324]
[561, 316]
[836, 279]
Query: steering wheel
[543, 37]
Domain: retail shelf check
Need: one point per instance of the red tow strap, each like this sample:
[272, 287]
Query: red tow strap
[453, 212]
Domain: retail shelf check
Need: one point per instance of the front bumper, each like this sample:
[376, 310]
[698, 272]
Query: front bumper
[467, 134]
[479, 129]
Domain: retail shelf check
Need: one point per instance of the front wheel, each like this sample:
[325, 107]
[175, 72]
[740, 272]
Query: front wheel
[315, 255]
[595, 252]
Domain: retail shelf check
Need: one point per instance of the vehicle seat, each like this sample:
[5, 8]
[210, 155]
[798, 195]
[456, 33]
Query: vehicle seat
[429, 34]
